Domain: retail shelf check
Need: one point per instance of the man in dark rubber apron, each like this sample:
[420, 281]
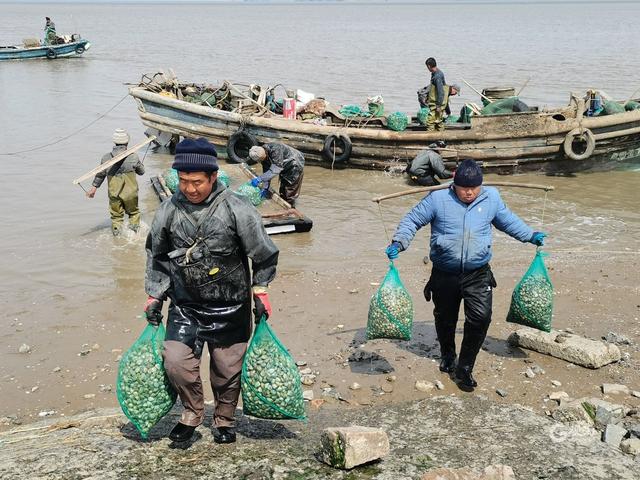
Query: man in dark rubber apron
[198, 253]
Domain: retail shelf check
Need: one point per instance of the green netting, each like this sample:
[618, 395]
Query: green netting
[224, 178]
[452, 119]
[499, 106]
[610, 108]
[171, 179]
[143, 389]
[465, 114]
[376, 109]
[397, 121]
[631, 105]
[390, 309]
[270, 380]
[353, 111]
[422, 115]
[251, 192]
[532, 299]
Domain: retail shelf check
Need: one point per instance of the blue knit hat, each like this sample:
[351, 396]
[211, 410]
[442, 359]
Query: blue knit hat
[468, 174]
[195, 156]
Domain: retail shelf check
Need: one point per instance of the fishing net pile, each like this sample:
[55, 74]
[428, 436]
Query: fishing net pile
[252, 193]
[397, 121]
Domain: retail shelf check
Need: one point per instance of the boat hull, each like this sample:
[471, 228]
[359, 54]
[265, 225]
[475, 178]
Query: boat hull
[507, 144]
[45, 51]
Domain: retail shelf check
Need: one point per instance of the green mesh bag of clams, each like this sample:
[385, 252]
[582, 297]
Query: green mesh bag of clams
[532, 299]
[390, 309]
[144, 392]
[270, 380]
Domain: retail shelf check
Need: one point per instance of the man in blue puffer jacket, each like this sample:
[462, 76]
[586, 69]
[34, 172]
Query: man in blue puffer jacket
[461, 218]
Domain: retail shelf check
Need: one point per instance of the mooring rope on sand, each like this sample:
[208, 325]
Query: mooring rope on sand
[40, 147]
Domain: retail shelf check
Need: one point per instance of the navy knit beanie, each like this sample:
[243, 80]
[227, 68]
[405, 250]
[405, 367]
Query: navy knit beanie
[468, 174]
[195, 156]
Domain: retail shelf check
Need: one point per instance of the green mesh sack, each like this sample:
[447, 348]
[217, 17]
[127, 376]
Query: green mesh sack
[376, 109]
[422, 115]
[397, 121]
[452, 119]
[144, 392]
[251, 192]
[532, 299]
[610, 108]
[353, 111]
[631, 105]
[465, 114]
[270, 381]
[390, 309]
[505, 105]
[223, 177]
[171, 179]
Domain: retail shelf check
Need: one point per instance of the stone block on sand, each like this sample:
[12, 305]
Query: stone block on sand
[348, 447]
[573, 348]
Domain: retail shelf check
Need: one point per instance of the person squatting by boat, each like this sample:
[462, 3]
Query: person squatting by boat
[198, 253]
[283, 160]
[460, 250]
[122, 184]
[426, 165]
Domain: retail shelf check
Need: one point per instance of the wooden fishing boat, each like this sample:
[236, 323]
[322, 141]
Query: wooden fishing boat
[277, 215]
[555, 141]
[75, 46]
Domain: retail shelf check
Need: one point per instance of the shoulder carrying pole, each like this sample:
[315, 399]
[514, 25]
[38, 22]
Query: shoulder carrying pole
[546, 188]
[113, 161]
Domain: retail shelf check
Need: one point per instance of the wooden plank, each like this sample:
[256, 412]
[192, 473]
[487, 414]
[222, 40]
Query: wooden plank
[113, 161]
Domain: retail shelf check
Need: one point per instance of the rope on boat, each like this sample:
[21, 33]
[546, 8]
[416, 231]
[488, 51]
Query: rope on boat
[40, 147]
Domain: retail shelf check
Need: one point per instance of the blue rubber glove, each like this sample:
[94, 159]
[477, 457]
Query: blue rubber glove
[255, 182]
[393, 250]
[538, 238]
[264, 192]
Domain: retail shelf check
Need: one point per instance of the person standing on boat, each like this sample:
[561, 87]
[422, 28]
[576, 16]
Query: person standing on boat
[123, 186]
[283, 160]
[198, 252]
[50, 35]
[438, 96]
[461, 217]
[426, 165]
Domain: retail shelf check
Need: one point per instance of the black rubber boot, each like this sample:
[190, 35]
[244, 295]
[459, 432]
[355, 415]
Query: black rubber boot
[224, 435]
[448, 363]
[464, 379]
[181, 432]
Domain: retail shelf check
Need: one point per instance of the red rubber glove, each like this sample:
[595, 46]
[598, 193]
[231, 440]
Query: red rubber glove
[153, 310]
[262, 305]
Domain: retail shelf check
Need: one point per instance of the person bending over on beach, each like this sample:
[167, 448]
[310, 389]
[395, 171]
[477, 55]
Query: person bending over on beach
[460, 249]
[198, 253]
[123, 186]
[426, 165]
[283, 160]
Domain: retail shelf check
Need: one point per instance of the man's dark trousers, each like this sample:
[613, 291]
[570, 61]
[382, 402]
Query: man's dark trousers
[448, 290]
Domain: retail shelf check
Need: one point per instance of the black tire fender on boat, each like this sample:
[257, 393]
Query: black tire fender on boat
[339, 142]
[583, 134]
[80, 49]
[240, 140]
[51, 54]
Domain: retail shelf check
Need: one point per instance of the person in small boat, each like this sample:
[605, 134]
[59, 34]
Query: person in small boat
[461, 218]
[438, 96]
[284, 161]
[50, 35]
[426, 165]
[123, 186]
[198, 252]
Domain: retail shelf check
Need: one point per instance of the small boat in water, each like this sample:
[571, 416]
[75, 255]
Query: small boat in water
[32, 48]
[553, 141]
